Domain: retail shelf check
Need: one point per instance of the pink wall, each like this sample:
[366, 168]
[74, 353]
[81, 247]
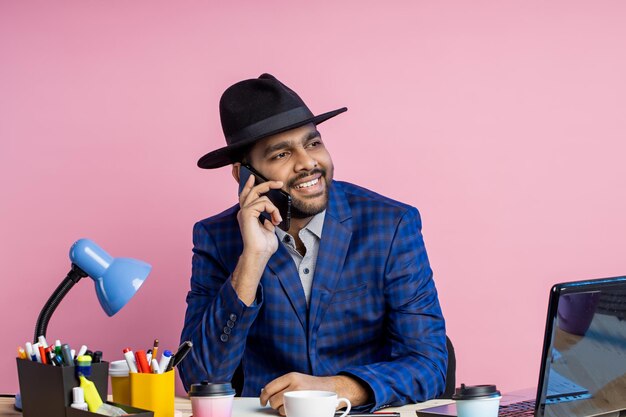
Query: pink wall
[503, 122]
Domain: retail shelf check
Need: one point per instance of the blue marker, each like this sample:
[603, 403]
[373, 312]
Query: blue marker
[30, 352]
[165, 360]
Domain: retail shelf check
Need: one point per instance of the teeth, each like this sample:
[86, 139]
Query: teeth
[307, 184]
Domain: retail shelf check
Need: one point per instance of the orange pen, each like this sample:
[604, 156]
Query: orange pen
[21, 353]
[155, 349]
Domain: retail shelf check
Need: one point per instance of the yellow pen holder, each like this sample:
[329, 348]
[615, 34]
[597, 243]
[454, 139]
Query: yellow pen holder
[153, 392]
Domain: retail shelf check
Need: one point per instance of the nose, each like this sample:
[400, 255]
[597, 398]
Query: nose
[304, 161]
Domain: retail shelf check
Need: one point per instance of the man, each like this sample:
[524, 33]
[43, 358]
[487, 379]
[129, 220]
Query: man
[343, 301]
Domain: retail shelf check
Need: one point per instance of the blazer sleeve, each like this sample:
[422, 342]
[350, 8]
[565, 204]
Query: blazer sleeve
[415, 325]
[217, 321]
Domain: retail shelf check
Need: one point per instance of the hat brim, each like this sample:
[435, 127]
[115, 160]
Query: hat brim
[229, 154]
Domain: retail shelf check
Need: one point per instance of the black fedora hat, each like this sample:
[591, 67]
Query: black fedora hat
[255, 109]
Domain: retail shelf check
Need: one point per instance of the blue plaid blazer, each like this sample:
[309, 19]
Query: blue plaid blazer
[374, 312]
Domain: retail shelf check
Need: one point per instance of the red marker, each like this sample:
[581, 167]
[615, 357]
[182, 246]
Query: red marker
[42, 352]
[142, 361]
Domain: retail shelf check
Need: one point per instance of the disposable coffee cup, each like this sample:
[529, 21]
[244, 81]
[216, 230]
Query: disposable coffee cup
[211, 400]
[313, 404]
[477, 400]
[120, 381]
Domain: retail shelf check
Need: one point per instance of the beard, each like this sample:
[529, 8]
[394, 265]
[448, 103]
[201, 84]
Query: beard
[301, 208]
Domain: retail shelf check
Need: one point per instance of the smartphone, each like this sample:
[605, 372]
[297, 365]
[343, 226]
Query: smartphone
[279, 198]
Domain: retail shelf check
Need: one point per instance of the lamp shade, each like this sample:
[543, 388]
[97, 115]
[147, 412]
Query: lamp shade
[116, 279]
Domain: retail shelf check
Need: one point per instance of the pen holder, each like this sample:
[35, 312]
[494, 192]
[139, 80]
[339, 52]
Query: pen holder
[153, 392]
[47, 390]
[120, 381]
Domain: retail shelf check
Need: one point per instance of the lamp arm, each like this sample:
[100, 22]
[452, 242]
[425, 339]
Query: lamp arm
[51, 305]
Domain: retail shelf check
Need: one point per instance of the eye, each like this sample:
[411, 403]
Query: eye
[279, 155]
[315, 143]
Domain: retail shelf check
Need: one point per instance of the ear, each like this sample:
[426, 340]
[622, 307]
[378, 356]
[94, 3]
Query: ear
[235, 171]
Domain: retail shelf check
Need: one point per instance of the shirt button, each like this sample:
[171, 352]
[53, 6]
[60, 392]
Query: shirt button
[230, 324]
[306, 270]
[233, 317]
[226, 330]
[224, 338]
[287, 238]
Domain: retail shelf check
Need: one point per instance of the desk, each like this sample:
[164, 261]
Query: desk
[243, 407]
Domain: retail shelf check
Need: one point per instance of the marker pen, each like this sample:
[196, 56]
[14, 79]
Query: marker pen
[42, 354]
[57, 347]
[49, 355]
[56, 360]
[142, 362]
[180, 354]
[97, 356]
[155, 367]
[130, 360]
[30, 352]
[21, 353]
[66, 353]
[73, 352]
[83, 366]
[82, 351]
[42, 341]
[37, 353]
[165, 360]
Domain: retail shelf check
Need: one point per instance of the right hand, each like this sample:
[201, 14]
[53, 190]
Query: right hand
[259, 240]
[258, 236]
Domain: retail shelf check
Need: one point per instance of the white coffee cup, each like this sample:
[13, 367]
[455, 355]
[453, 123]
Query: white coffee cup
[313, 404]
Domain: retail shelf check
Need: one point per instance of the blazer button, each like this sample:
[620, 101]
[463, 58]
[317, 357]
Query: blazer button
[230, 324]
[233, 317]
[226, 330]
[224, 338]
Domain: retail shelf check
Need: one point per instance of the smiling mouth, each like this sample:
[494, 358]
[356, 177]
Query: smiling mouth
[307, 184]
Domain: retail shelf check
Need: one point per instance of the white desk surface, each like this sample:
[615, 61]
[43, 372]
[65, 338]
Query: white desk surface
[250, 407]
[242, 407]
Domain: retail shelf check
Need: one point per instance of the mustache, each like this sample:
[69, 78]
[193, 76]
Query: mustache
[302, 175]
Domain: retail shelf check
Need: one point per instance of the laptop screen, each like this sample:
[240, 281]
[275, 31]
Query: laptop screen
[584, 360]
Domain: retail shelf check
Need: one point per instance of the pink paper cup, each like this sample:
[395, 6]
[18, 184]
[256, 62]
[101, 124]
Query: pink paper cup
[211, 400]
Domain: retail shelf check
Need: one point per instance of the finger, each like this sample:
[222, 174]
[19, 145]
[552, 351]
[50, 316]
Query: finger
[277, 385]
[281, 410]
[263, 205]
[258, 190]
[274, 213]
[277, 401]
[246, 189]
[262, 399]
[267, 225]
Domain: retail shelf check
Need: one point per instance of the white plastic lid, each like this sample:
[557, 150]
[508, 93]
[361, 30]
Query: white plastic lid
[78, 396]
[118, 368]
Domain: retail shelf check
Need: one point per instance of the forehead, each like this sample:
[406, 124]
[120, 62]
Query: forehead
[286, 139]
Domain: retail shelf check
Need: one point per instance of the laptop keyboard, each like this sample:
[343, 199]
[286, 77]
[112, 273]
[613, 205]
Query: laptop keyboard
[519, 409]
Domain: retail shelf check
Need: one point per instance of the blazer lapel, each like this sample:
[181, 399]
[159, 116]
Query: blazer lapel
[332, 253]
[284, 268]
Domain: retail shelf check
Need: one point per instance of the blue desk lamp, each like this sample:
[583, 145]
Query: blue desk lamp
[116, 280]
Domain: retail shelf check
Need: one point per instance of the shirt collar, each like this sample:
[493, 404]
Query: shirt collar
[315, 226]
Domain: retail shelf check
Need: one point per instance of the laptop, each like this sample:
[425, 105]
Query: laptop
[583, 363]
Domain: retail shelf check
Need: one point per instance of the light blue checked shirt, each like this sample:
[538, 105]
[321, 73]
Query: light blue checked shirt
[310, 236]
